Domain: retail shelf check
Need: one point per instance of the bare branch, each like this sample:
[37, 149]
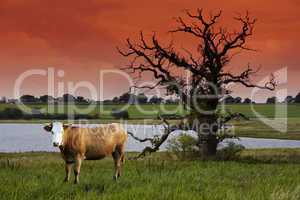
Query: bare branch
[244, 79]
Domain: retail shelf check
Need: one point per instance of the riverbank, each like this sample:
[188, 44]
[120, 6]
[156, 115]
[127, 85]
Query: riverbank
[147, 114]
[257, 174]
[151, 111]
[254, 128]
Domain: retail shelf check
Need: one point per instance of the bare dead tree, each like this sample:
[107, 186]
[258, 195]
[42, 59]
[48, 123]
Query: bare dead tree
[208, 77]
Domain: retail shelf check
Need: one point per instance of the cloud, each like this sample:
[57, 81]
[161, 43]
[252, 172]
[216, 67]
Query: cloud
[67, 26]
[81, 36]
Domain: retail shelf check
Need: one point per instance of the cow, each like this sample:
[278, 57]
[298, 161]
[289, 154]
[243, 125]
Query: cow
[79, 143]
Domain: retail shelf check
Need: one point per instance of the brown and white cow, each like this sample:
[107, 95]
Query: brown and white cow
[78, 143]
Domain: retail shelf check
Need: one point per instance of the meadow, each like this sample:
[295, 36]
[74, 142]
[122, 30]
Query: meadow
[254, 174]
[252, 128]
[150, 111]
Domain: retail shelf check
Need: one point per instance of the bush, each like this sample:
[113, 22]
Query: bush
[183, 147]
[11, 113]
[230, 152]
[16, 113]
[169, 116]
[120, 114]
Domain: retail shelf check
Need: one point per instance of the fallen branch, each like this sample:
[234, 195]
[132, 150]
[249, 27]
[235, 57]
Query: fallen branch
[232, 116]
[156, 141]
[139, 139]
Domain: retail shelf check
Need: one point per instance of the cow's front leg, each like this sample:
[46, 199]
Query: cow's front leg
[77, 169]
[68, 171]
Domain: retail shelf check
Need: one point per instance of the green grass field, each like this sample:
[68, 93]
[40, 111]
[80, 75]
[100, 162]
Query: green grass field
[253, 128]
[256, 174]
[150, 111]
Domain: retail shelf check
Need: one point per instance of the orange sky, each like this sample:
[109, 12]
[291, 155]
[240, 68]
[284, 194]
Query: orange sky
[80, 37]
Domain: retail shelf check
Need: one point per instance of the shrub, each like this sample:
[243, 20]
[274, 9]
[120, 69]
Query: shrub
[230, 152]
[11, 113]
[120, 114]
[183, 147]
[169, 116]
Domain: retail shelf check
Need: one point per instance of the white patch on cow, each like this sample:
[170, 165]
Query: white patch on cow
[57, 133]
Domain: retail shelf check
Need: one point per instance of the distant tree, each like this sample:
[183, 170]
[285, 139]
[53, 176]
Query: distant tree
[67, 98]
[28, 99]
[124, 98]
[247, 101]
[155, 100]
[115, 100]
[289, 99]
[127, 98]
[81, 99]
[3, 100]
[271, 100]
[141, 98]
[297, 98]
[229, 100]
[46, 98]
[237, 100]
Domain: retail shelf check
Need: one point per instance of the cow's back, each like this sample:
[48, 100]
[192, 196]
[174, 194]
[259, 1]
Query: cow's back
[98, 142]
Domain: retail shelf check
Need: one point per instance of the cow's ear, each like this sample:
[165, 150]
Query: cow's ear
[48, 127]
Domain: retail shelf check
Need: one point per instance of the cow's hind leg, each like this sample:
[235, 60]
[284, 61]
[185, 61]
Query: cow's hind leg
[122, 160]
[117, 161]
[77, 169]
[68, 171]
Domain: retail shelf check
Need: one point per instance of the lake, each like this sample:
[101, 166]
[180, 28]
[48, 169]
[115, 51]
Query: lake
[32, 137]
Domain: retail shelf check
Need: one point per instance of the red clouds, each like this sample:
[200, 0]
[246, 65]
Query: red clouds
[80, 36]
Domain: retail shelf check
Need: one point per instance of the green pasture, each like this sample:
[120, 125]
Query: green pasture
[279, 125]
[255, 174]
[150, 111]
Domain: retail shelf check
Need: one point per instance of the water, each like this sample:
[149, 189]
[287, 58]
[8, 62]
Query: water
[32, 137]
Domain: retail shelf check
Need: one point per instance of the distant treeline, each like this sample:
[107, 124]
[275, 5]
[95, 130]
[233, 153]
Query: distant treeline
[68, 98]
[140, 98]
[271, 100]
[132, 99]
[288, 99]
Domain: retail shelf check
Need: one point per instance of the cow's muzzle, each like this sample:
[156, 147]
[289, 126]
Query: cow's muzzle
[56, 144]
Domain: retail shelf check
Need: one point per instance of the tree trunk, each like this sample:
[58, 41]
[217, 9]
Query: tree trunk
[207, 134]
[209, 147]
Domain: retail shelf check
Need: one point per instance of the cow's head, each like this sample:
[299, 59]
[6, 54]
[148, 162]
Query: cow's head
[57, 131]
